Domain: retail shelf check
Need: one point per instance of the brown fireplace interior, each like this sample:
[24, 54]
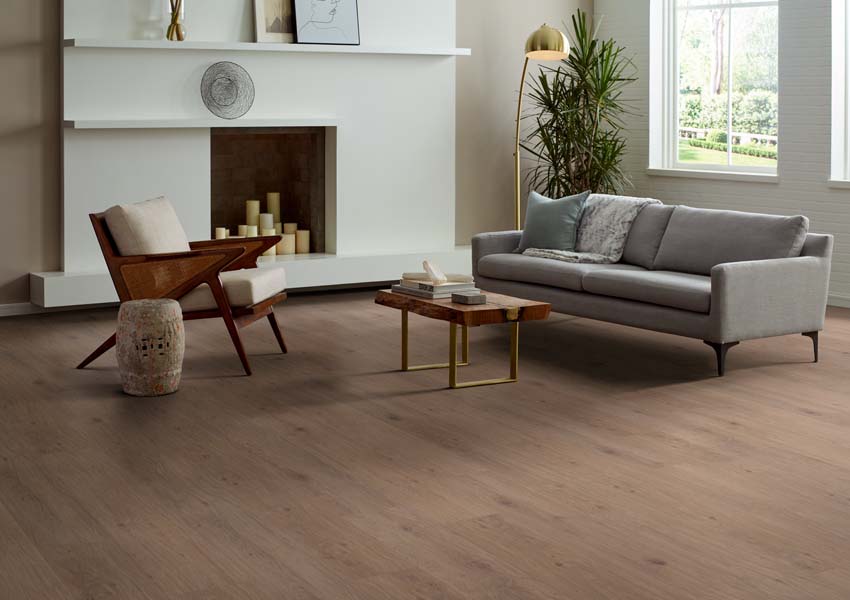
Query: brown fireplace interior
[247, 163]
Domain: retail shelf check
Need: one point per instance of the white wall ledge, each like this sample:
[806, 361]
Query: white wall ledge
[839, 184]
[260, 47]
[205, 123]
[721, 175]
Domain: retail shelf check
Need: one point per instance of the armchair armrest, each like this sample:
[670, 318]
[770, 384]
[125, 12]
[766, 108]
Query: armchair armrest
[170, 275]
[251, 248]
[497, 242]
[764, 298]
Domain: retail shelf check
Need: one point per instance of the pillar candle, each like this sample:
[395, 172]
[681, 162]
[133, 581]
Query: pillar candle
[287, 244]
[270, 251]
[252, 212]
[290, 227]
[302, 241]
[266, 221]
[273, 205]
[278, 228]
[243, 230]
[251, 231]
[221, 233]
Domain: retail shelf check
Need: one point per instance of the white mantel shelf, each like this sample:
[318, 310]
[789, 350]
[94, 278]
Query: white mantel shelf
[206, 123]
[261, 47]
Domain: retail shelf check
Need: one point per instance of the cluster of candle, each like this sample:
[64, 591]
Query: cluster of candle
[292, 239]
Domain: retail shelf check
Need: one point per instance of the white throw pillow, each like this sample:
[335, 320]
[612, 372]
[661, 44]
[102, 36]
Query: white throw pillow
[149, 227]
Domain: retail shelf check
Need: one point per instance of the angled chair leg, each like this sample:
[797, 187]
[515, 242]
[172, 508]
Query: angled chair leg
[227, 315]
[277, 332]
[720, 350]
[814, 336]
[109, 343]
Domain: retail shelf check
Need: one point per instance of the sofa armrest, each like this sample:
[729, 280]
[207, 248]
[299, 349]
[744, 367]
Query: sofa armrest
[764, 298]
[497, 242]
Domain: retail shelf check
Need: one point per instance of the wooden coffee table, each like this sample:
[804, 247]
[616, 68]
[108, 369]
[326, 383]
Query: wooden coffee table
[499, 309]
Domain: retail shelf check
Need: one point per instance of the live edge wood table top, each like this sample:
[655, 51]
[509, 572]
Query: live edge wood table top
[499, 309]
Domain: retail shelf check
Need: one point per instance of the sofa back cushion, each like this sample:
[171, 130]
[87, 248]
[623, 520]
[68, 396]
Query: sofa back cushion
[698, 239]
[149, 227]
[645, 235]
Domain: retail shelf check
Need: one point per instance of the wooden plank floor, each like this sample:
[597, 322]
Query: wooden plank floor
[618, 467]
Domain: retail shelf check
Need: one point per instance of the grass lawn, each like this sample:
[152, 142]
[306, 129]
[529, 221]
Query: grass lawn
[688, 153]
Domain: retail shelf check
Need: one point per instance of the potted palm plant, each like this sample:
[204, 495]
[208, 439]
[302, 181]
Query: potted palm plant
[578, 140]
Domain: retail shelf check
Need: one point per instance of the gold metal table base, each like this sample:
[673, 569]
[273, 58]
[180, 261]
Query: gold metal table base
[453, 363]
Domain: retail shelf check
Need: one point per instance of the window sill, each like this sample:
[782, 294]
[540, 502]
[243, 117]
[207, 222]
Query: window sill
[839, 184]
[721, 175]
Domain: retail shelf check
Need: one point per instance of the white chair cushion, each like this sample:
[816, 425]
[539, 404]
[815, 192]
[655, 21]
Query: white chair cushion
[243, 288]
[149, 227]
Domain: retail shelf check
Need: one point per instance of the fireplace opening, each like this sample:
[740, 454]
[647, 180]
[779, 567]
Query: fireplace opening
[248, 163]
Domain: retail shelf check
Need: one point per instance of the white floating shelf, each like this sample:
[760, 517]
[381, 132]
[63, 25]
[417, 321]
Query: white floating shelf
[260, 47]
[206, 123]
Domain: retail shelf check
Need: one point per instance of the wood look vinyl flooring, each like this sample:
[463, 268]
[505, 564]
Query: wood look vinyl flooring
[619, 467]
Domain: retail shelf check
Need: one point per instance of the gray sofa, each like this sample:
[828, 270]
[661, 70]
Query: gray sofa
[718, 276]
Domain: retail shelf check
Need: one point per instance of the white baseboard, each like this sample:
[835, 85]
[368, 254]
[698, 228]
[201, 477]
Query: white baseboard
[28, 308]
[839, 300]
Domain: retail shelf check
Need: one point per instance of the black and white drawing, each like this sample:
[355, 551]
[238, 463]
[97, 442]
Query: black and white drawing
[327, 22]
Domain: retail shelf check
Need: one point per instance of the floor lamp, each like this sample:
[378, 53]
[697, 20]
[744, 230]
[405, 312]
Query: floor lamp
[547, 43]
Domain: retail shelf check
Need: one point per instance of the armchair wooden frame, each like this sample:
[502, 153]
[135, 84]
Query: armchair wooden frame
[175, 275]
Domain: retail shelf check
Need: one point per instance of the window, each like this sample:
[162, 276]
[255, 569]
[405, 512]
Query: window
[714, 83]
[840, 170]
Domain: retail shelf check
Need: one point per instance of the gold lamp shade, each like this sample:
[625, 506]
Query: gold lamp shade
[547, 43]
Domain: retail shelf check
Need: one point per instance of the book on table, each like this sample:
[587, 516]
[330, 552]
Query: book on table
[430, 291]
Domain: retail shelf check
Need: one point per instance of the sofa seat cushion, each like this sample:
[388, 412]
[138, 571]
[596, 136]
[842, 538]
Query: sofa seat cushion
[698, 239]
[149, 227]
[543, 271]
[665, 288]
[243, 288]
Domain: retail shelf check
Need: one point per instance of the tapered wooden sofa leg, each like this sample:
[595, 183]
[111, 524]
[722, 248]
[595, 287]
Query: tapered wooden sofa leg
[720, 350]
[814, 337]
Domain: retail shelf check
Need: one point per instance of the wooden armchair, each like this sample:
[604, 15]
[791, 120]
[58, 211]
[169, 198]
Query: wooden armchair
[214, 279]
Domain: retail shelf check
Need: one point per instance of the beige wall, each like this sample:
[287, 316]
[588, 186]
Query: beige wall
[29, 144]
[487, 88]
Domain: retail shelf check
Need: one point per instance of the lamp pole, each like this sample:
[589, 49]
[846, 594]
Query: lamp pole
[517, 173]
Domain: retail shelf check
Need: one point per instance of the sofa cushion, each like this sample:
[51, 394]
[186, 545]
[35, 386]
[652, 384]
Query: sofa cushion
[645, 235]
[543, 271]
[243, 288]
[149, 227]
[665, 288]
[698, 239]
[552, 224]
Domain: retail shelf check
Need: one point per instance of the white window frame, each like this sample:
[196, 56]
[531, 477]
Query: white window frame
[840, 145]
[664, 90]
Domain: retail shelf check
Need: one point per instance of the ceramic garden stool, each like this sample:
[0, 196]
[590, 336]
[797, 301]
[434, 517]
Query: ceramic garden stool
[150, 341]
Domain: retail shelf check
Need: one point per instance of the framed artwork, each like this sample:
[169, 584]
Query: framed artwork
[327, 22]
[274, 21]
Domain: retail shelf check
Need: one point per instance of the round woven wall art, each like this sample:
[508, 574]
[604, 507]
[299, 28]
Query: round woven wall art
[227, 90]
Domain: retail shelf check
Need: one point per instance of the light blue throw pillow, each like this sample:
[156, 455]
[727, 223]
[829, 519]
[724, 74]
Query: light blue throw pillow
[552, 224]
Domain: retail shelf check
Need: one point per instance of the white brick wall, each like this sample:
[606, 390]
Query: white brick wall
[804, 129]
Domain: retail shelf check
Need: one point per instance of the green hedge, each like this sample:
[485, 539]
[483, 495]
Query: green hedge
[748, 150]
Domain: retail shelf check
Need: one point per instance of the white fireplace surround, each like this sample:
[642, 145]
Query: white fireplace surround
[135, 128]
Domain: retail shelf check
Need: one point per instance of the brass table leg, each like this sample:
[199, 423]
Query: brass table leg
[405, 344]
[453, 364]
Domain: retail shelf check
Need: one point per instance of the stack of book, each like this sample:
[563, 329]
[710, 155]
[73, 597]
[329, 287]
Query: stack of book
[435, 291]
